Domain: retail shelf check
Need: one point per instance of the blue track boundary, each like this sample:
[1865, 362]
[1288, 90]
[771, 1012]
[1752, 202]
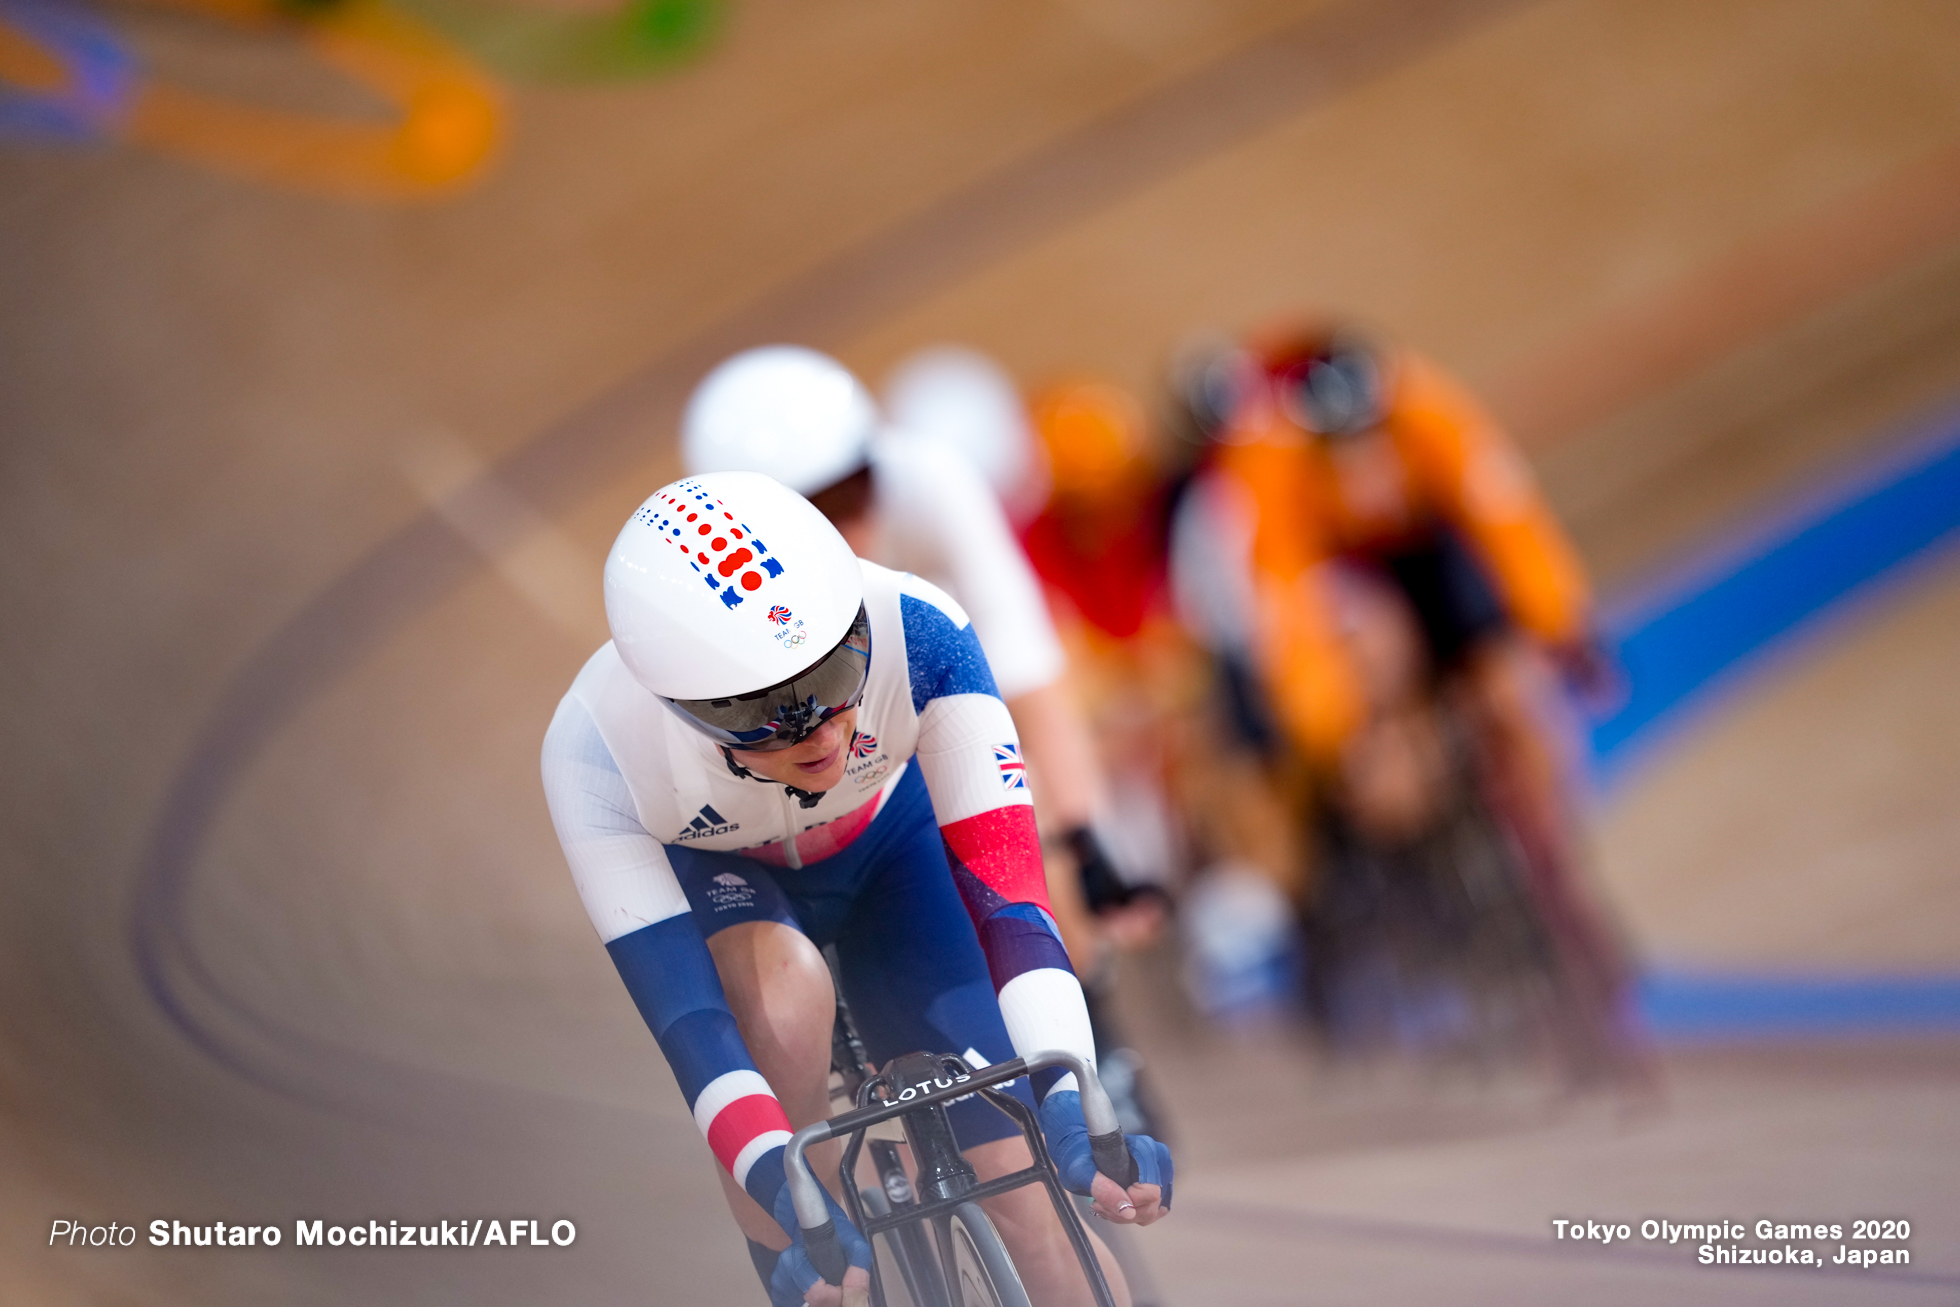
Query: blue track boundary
[1688, 1007]
[1697, 631]
[1688, 635]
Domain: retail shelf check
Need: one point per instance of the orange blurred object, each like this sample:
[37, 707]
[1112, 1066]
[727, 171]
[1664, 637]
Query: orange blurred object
[1098, 543]
[448, 126]
[1434, 457]
[1093, 435]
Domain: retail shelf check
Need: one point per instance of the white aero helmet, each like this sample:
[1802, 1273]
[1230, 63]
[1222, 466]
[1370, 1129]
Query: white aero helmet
[733, 600]
[792, 412]
[963, 398]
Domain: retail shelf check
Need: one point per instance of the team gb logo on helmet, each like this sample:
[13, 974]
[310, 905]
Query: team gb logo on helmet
[723, 550]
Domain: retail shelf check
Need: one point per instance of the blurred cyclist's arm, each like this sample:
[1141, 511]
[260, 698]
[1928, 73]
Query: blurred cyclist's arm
[1474, 472]
[636, 904]
[1311, 685]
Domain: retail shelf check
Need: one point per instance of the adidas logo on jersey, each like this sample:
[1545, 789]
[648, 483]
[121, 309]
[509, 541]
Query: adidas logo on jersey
[706, 822]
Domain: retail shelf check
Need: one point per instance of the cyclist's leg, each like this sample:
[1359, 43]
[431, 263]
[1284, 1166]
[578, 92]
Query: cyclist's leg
[1472, 642]
[1530, 737]
[1391, 771]
[1034, 1237]
[915, 979]
[779, 989]
[1531, 746]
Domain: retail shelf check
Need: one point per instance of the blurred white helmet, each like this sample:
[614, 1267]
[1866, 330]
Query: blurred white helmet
[791, 412]
[725, 585]
[962, 397]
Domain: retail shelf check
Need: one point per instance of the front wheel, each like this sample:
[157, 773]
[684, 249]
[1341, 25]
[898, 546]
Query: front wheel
[980, 1268]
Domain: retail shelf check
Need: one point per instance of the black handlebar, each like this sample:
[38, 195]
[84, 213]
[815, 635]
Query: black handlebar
[1110, 1151]
[827, 1252]
[1113, 1157]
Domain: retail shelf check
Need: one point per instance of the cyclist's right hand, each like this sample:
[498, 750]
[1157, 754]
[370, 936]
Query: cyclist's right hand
[1591, 671]
[796, 1280]
[854, 1292]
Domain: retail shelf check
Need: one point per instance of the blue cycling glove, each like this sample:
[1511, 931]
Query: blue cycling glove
[794, 1274]
[1068, 1143]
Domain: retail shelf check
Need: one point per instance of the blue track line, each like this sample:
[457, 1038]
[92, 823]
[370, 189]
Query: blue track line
[1696, 630]
[1690, 1007]
[1699, 631]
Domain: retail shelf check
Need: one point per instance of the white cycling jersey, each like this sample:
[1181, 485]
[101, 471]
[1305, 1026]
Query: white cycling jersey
[680, 789]
[626, 778]
[937, 517]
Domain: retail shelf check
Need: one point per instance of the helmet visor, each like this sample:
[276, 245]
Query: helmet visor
[1335, 391]
[787, 713]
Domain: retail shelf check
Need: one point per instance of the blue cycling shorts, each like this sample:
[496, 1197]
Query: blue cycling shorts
[911, 965]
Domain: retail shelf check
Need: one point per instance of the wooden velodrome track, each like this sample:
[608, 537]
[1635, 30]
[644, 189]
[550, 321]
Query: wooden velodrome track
[305, 497]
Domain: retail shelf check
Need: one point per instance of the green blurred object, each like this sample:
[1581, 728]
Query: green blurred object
[641, 38]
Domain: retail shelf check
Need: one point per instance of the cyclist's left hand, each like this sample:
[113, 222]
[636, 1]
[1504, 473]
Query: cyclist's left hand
[1068, 1143]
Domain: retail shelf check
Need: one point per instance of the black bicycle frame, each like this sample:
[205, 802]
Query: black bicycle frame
[958, 1189]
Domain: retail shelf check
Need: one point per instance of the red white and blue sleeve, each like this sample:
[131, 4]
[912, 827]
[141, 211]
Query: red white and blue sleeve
[970, 758]
[641, 913]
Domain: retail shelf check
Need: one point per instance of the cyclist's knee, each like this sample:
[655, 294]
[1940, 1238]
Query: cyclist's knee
[998, 1157]
[1393, 775]
[1019, 1214]
[779, 987]
[1384, 642]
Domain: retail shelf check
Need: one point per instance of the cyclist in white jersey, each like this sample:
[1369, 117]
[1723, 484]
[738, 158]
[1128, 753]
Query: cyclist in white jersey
[783, 748]
[918, 505]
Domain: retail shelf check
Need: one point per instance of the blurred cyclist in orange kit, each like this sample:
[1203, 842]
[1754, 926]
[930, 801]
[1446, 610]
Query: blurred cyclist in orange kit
[1399, 550]
[1349, 450]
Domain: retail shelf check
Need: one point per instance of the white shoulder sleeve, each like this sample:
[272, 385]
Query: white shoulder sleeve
[621, 871]
[946, 524]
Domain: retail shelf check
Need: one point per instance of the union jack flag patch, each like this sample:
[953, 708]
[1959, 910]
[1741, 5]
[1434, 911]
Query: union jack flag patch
[1013, 772]
[863, 746]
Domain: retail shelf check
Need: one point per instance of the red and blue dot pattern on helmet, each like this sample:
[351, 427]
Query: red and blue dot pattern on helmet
[1013, 772]
[779, 614]
[723, 550]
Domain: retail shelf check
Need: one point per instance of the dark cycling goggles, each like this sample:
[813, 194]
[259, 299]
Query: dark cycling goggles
[1334, 391]
[787, 713]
